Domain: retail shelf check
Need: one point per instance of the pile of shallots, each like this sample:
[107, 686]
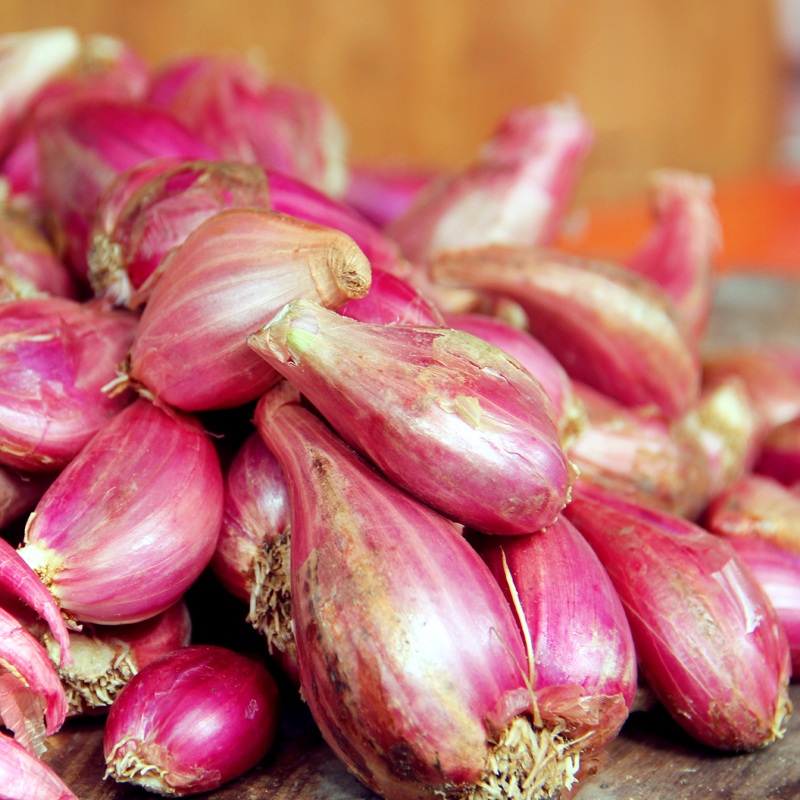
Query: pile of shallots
[465, 476]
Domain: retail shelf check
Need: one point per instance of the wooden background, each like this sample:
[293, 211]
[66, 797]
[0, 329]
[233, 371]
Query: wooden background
[684, 83]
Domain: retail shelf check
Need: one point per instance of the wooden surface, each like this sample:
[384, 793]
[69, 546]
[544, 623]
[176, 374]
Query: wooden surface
[676, 83]
[652, 759]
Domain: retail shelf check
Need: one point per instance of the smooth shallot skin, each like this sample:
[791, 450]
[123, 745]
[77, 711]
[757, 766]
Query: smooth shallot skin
[131, 523]
[757, 506]
[537, 359]
[230, 277]
[610, 328]
[409, 654]
[392, 301]
[679, 253]
[25, 777]
[778, 572]
[446, 416]
[708, 641]
[129, 241]
[192, 720]
[56, 355]
[515, 193]
[584, 662]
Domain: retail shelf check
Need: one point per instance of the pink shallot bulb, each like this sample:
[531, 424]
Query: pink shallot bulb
[85, 143]
[191, 721]
[230, 277]
[514, 194]
[708, 641]
[25, 777]
[537, 359]
[771, 375]
[679, 253]
[448, 417]
[641, 455]
[410, 658]
[245, 117]
[610, 328]
[56, 356]
[778, 572]
[131, 523]
[252, 555]
[29, 258]
[129, 240]
[757, 506]
[582, 659]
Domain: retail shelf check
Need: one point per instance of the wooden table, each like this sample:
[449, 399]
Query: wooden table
[652, 759]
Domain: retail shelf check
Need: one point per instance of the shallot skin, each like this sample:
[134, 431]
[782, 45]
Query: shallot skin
[24, 777]
[191, 721]
[409, 655]
[708, 640]
[131, 523]
[56, 355]
[584, 662]
[448, 417]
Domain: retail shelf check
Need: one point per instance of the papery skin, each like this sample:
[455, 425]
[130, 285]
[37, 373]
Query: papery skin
[84, 144]
[127, 246]
[56, 355]
[409, 655]
[27, 62]
[108, 656]
[757, 506]
[584, 662]
[708, 641]
[515, 193]
[392, 301]
[131, 523]
[778, 572]
[198, 717]
[771, 375]
[246, 117]
[20, 650]
[779, 456]
[641, 455]
[19, 492]
[609, 328]
[25, 777]
[384, 192]
[27, 255]
[230, 277]
[727, 428]
[679, 253]
[537, 359]
[446, 416]
[20, 581]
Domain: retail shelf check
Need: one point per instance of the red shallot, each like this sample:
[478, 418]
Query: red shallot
[410, 658]
[56, 355]
[131, 523]
[229, 277]
[708, 641]
[445, 415]
[191, 720]
[25, 777]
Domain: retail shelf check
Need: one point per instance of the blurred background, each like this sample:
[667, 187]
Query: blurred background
[706, 85]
